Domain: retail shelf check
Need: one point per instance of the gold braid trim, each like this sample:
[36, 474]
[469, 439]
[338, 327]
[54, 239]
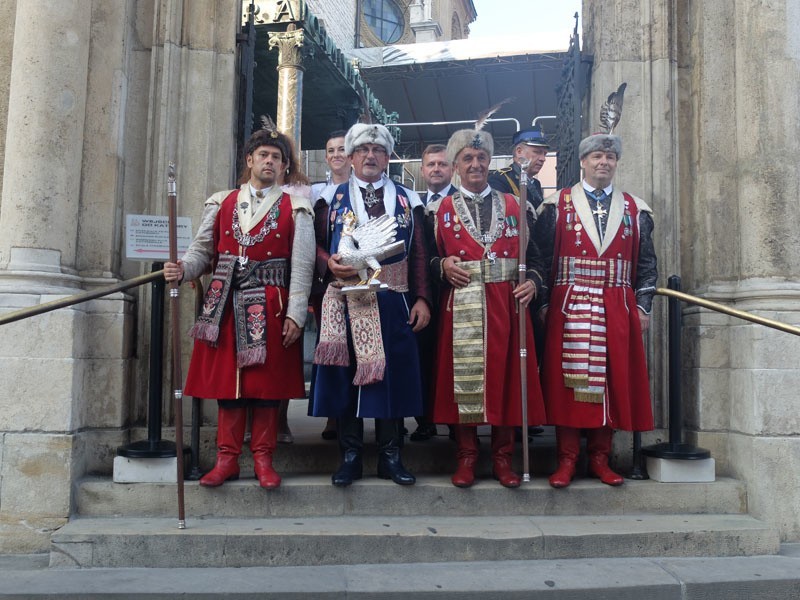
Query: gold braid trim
[469, 335]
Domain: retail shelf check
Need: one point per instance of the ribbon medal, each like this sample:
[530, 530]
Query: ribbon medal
[511, 226]
[627, 220]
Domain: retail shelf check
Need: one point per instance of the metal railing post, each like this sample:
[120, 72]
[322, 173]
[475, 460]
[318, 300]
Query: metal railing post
[154, 446]
[675, 448]
[637, 472]
[197, 403]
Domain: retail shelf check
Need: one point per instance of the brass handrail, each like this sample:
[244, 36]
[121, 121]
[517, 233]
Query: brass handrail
[780, 326]
[39, 309]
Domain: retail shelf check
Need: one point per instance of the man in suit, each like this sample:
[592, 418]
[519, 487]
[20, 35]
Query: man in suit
[437, 172]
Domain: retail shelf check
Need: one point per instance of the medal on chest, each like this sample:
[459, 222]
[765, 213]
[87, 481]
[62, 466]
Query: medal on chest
[573, 222]
[627, 221]
[511, 227]
[404, 219]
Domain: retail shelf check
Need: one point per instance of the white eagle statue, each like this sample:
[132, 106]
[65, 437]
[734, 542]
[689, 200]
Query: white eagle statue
[364, 246]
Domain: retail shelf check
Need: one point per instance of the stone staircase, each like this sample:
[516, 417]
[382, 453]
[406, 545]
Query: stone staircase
[307, 521]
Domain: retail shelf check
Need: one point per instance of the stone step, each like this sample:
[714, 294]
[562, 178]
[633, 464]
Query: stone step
[313, 495]
[254, 542]
[776, 577]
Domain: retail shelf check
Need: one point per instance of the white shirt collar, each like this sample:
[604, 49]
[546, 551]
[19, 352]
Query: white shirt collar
[589, 188]
[469, 194]
[264, 191]
[363, 184]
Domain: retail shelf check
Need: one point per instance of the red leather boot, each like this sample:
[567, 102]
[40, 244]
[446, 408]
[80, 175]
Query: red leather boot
[598, 446]
[265, 435]
[502, 452]
[467, 455]
[568, 443]
[230, 437]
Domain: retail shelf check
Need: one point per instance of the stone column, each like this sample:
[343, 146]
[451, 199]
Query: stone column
[290, 80]
[42, 362]
[8, 9]
[44, 140]
[742, 243]
[711, 132]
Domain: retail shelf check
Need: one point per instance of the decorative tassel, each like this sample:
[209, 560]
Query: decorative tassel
[372, 372]
[251, 356]
[575, 380]
[332, 354]
[206, 332]
[588, 397]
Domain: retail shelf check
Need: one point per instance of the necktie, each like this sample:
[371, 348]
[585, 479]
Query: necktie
[434, 198]
[260, 194]
[599, 194]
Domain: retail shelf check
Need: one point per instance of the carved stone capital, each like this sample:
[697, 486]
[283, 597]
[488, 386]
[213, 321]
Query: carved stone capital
[290, 47]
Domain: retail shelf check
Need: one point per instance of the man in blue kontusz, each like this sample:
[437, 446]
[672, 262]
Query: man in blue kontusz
[367, 363]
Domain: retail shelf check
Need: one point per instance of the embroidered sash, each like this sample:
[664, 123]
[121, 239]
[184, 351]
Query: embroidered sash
[583, 347]
[469, 335]
[365, 326]
[249, 305]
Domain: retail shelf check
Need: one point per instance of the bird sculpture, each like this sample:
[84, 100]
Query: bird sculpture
[364, 246]
[611, 110]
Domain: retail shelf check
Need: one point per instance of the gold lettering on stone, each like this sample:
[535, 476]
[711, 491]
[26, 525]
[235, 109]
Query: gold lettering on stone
[284, 12]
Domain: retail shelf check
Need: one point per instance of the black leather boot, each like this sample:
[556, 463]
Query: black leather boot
[351, 443]
[388, 433]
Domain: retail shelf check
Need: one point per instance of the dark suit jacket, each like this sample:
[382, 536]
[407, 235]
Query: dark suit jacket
[446, 192]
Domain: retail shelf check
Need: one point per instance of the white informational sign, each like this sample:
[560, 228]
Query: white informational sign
[147, 237]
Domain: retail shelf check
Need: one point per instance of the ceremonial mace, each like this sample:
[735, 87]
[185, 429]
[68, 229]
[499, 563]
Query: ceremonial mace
[175, 318]
[523, 311]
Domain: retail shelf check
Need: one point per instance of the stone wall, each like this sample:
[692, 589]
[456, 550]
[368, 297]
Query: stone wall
[742, 243]
[95, 111]
[339, 19]
[711, 127]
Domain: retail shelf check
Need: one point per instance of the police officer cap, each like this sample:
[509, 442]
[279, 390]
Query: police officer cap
[530, 137]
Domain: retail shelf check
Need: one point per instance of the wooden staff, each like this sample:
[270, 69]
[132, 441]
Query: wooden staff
[523, 312]
[175, 319]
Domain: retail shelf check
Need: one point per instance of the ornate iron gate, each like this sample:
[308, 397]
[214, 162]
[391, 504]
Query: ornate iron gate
[574, 80]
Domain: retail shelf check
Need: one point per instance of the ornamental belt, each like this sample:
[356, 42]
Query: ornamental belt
[593, 272]
[469, 334]
[261, 273]
[395, 275]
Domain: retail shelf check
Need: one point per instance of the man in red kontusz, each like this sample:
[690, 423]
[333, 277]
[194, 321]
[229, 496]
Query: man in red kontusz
[258, 241]
[474, 240]
[596, 242]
